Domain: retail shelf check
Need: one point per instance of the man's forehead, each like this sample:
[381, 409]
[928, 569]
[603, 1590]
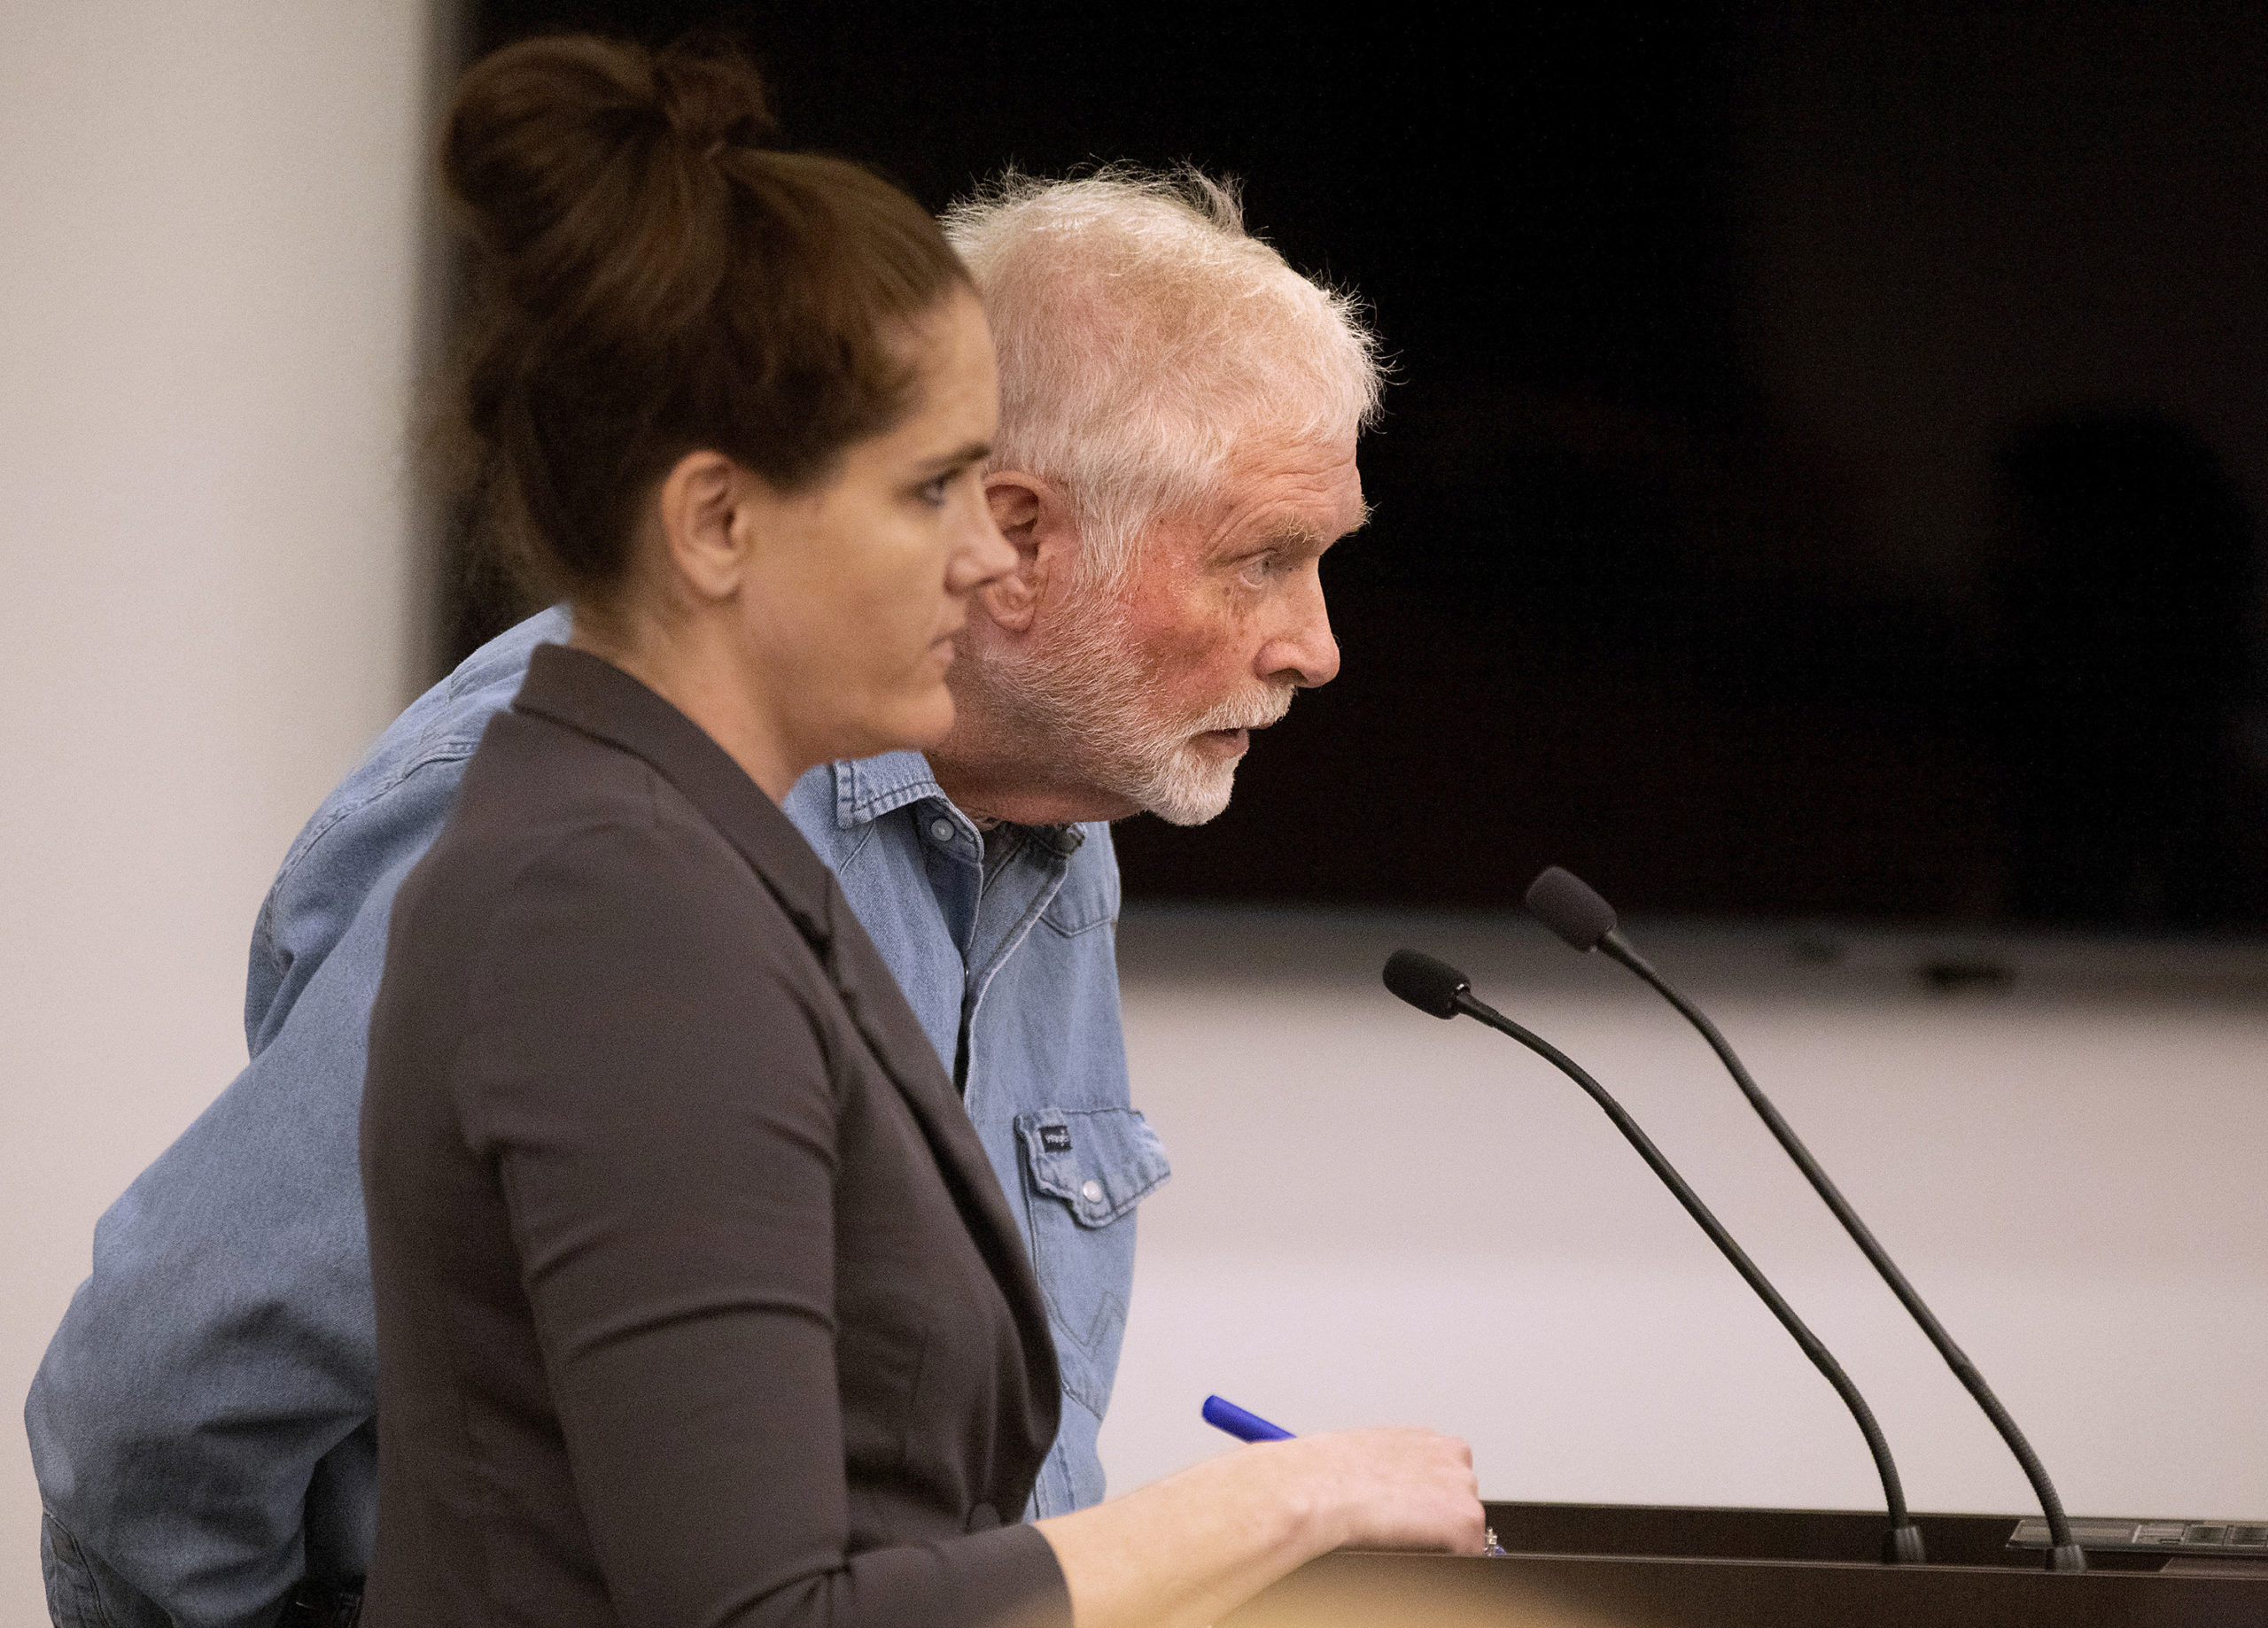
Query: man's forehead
[1306, 489]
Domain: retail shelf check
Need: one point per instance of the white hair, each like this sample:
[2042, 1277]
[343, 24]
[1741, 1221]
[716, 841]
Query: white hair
[1142, 333]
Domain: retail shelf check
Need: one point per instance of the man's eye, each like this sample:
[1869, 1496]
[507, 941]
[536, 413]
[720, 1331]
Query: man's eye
[1262, 567]
[933, 491]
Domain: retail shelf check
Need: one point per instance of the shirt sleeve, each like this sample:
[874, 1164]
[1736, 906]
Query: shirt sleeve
[223, 1348]
[657, 1101]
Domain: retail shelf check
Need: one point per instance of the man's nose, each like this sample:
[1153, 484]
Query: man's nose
[1304, 651]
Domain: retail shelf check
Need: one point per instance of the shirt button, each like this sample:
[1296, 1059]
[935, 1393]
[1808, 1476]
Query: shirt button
[941, 829]
[1092, 1192]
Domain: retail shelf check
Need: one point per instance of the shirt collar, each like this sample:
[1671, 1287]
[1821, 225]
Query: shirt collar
[866, 788]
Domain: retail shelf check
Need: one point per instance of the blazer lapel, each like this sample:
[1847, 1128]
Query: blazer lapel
[870, 995]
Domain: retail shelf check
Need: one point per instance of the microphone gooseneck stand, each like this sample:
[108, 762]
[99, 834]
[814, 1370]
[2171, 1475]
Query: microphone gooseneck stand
[1439, 989]
[1586, 921]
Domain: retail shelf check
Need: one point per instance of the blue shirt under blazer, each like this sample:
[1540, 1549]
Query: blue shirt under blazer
[201, 1426]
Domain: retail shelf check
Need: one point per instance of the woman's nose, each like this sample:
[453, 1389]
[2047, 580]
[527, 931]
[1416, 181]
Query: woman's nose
[983, 555]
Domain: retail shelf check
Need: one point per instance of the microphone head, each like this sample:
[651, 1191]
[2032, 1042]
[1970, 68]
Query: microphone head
[1429, 985]
[1563, 902]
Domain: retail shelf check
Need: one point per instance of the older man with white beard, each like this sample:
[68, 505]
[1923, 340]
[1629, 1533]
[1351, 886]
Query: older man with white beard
[1170, 480]
[1179, 411]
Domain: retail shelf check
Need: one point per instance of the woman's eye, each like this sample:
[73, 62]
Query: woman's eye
[933, 491]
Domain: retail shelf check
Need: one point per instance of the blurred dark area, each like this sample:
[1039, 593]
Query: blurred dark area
[1824, 468]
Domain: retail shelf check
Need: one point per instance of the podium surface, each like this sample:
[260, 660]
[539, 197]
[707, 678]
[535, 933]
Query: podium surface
[1631, 1566]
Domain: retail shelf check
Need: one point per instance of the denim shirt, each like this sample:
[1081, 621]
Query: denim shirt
[201, 1425]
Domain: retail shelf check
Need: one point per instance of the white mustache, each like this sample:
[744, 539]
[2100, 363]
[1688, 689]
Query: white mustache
[1246, 712]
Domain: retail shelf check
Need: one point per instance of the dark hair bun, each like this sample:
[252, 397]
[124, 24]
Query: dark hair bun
[712, 98]
[654, 280]
[539, 130]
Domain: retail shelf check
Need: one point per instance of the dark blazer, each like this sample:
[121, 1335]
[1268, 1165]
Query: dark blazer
[697, 1301]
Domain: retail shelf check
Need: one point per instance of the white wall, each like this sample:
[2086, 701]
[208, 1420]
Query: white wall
[210, 243]
[1376, 1217]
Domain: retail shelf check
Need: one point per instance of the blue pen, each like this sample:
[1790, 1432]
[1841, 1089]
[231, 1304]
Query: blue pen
[1223, 1415]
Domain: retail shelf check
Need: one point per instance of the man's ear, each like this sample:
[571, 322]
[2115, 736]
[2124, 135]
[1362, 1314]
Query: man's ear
[1034, 517]
[705, 523]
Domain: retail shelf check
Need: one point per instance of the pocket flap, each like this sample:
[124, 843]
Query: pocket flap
[1100, 1161]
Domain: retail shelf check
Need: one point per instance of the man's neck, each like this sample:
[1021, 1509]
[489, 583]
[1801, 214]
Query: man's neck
[987, 787]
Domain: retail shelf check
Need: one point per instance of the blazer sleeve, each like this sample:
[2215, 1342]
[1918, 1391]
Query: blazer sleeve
[654, 1093]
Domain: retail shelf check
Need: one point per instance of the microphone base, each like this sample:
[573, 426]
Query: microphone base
[2067, 1557]
[1902, 1545]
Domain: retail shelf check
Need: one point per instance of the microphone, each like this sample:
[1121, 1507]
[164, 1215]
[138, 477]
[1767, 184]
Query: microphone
[1564, 902]
[1439, 989]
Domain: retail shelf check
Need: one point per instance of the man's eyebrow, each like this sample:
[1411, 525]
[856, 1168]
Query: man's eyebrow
[1362, 518]
[1298, 535]
[1298, 532]
[1291, 538]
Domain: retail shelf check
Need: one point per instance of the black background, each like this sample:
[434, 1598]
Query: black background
[1819, 473]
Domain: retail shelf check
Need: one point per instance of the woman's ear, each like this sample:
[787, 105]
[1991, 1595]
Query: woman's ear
[1034, 517]
[706, 524]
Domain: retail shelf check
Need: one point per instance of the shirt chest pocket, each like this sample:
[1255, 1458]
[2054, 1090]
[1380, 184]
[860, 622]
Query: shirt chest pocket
[1088, 898]
[1086, 1169]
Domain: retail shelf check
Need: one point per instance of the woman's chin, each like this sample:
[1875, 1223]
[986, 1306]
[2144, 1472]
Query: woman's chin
[913, 725]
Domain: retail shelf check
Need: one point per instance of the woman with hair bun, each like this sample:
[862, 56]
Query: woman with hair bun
[698, 1302]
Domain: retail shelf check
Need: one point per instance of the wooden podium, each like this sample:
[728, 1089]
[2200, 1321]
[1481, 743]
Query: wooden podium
[1629, 1566]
